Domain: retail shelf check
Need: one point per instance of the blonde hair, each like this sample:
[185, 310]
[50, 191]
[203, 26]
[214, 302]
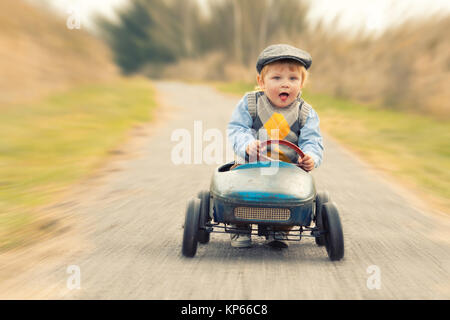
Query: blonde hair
[292, 65]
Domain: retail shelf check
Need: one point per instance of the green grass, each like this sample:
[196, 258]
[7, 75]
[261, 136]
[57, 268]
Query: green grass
[50, 144]
[413, 148]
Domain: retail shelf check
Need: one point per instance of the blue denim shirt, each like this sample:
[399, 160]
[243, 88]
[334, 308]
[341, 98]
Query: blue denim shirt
[240, 133]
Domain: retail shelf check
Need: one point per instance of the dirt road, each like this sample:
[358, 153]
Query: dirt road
[128, 242]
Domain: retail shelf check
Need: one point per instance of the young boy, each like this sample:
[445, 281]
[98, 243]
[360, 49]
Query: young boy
[276, 112]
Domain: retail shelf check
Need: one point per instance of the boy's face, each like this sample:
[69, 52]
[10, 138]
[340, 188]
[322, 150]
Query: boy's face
[281, 83]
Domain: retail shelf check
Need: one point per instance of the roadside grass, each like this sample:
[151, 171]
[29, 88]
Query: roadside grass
[414, 149]
[50, 144]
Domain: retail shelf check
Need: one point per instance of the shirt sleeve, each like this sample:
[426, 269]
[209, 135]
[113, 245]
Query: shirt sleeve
[239, 131]
[310, 140]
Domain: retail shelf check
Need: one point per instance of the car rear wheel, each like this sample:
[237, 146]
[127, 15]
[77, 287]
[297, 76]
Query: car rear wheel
[321, 198]
[334, 236]
[190, 234]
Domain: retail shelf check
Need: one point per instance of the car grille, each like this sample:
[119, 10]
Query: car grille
[249, 213]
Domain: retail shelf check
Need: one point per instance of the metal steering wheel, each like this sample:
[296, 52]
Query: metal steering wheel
[265, 144]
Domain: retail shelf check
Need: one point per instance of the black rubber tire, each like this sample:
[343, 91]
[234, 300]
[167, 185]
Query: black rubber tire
[190, 234]
[334, 238]
[321, 198]
[204, 218]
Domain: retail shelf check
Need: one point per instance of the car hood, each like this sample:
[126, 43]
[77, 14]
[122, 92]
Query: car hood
[264, 183]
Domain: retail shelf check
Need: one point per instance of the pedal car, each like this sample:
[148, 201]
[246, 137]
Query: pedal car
[263, 199]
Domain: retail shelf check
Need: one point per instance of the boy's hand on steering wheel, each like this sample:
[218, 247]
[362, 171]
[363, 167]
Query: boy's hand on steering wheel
[253, 148]
[307, 162]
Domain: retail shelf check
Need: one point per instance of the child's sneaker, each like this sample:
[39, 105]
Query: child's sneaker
[277, 240]
[241, 240]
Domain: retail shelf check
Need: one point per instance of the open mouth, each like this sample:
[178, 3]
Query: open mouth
[283, 96]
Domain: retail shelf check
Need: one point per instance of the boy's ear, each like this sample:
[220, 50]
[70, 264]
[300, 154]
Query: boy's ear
[260, 81]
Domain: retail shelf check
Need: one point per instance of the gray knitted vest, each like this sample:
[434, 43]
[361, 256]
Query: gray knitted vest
[287, 122]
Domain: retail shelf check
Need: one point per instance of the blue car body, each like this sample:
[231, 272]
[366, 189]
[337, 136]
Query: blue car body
[267, 193]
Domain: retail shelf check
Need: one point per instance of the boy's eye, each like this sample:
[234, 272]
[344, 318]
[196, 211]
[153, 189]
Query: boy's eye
[294, 78]
[276, 77]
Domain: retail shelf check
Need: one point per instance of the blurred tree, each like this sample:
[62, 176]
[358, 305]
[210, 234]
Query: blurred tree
[242, 28]
[162, 31]
[146, 31]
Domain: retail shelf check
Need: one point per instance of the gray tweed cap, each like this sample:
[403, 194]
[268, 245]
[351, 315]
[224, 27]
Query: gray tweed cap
[282, 51]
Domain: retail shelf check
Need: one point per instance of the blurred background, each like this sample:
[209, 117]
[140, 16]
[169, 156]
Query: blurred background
[394, 53]
[71, 70]
[391, 52]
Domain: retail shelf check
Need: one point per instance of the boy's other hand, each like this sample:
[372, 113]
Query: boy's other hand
[307, 162]
[253, 148]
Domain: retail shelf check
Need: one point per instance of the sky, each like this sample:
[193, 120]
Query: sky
[371, 15]
[374, 15]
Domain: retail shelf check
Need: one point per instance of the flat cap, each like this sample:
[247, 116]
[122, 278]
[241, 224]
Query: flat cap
[282, 51]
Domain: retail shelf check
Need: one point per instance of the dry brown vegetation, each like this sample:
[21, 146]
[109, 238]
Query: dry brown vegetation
[39, 54]
[408, 67]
